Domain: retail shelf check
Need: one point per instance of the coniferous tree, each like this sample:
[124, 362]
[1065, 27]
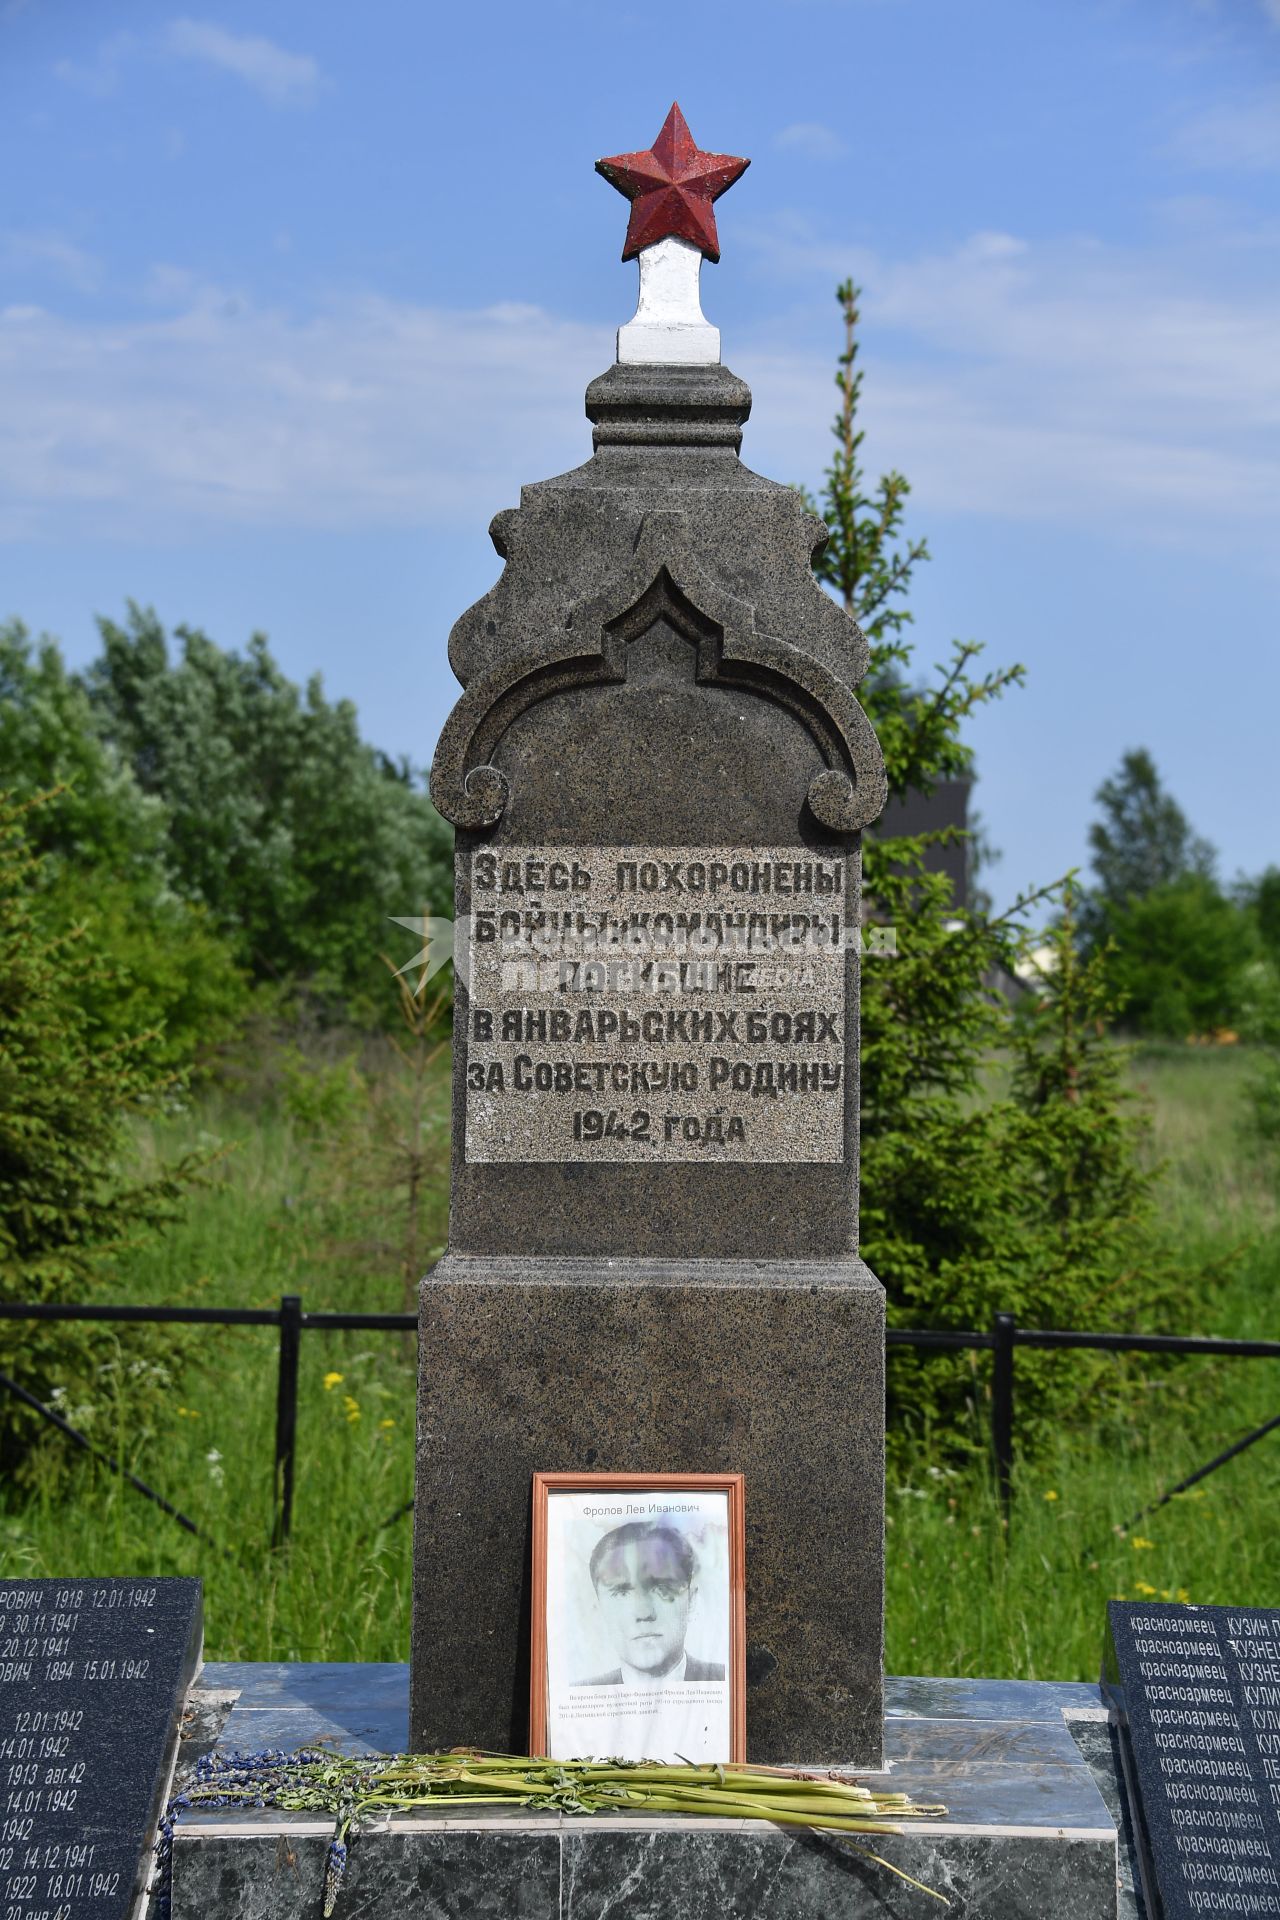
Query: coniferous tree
[1179, 953]
[1144, 839]
[969, 1201]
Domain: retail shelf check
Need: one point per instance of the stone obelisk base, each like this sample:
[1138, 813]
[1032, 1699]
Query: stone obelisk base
[1030, 1829]
[773, 1369]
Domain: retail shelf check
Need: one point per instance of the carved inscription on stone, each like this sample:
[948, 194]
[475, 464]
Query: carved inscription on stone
[1201, 1696]
[92, 1677]
[636, 1004]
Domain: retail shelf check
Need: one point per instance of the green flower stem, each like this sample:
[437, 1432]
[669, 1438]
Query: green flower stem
[351, 1791]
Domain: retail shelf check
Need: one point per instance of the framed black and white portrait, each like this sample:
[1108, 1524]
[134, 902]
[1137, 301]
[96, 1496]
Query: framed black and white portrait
[638, 1630]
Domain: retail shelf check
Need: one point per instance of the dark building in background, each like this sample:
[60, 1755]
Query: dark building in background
[916, 813]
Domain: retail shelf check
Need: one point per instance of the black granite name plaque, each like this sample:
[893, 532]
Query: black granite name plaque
[1196, 1694]
[92, 1679]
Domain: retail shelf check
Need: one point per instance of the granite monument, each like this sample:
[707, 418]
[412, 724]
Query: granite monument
[658, 772]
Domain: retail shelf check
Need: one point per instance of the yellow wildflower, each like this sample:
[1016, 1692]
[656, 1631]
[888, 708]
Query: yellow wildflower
[332, 1380]
[1138, 1543]
[1051, 1494]
[385, 1424]
[1140, 1586]
[352, 1408]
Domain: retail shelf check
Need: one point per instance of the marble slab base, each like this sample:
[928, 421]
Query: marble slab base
[1023, 1767]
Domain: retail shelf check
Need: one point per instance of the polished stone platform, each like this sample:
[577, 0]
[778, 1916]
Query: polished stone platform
[1025, 1768]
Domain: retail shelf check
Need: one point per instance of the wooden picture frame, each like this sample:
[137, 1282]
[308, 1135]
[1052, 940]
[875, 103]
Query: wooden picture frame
[689, 1563]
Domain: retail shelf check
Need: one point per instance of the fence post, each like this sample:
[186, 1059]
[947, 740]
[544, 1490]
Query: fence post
[286, 1415]
[1003, 1331]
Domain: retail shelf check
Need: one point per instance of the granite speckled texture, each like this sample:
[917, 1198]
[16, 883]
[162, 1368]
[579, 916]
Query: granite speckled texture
[1027, 1836]
[1196, 1711]
[93, 1679]
[657, 666]
[710, 1019]
[774, 1371]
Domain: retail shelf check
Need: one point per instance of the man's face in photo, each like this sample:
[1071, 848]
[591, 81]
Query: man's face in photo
[645, 1600]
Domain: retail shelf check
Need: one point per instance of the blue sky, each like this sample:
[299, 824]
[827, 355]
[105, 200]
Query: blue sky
[294, 297]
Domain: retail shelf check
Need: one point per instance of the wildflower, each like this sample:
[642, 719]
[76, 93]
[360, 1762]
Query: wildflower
[352, 1408]
[386, 1425]
[1148, 1593]
[215, 1466]
[334, 1867]
[1184, 1596]
[1051, 1493]
[332, 1380]
[1139, 1544]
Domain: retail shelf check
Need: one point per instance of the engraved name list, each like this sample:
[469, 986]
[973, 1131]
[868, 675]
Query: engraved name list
[1201, 1702]
[92, 1675]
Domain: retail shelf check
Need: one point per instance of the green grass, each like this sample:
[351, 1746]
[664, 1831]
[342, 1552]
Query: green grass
[340, 1590]
[963, 1596]
[283, 1213]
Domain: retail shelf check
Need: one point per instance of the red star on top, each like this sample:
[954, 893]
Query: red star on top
[671, 188]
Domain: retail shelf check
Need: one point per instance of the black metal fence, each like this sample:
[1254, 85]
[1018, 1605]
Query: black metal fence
[292, 1321]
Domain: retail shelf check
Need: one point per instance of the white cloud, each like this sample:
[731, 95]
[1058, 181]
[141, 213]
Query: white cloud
[1240, 135]
[44, 252]
[369, 412]
[283, 78]
[813, 140]
[100, 76]
[1071, 382]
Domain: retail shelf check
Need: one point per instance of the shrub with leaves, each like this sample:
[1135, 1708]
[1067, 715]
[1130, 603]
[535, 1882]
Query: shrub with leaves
[68, 1203]
[1177, 950]
[148, 957]
[1179, 958]
[296, 836]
